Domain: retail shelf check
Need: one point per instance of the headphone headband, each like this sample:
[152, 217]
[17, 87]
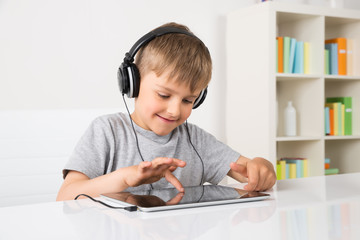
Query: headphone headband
[151, 35]
[128, 73]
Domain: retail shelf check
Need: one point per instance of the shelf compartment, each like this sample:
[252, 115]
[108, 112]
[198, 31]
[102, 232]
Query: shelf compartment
[346, 88]
[312, 150]
[343, 154]
[306, 95]
[347, 28]
[304, 27]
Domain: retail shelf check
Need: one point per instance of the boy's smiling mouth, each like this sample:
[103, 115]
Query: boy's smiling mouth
[166, 119]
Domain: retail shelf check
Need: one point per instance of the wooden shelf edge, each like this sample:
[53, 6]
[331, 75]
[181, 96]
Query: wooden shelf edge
[298, 138]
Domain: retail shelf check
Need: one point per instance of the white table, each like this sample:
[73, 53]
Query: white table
[309, 208]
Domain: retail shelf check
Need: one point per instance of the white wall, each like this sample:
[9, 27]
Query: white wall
[65, 54]
[60, 58]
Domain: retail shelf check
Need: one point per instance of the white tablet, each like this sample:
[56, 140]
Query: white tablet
[171, 198]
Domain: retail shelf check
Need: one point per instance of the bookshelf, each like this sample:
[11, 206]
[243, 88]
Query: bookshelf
[257, 95]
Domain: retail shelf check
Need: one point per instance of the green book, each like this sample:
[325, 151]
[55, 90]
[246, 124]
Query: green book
[347, 101]
[278, 171]
[331, 171]
[287, 55]
[327, 62]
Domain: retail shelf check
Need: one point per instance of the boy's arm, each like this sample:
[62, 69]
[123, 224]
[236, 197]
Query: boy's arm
[259, 173]
[76, 183]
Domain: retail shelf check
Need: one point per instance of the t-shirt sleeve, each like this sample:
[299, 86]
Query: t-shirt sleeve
[216, 155]
[94, 150]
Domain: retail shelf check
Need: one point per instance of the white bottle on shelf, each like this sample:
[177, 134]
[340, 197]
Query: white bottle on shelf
[290, 120]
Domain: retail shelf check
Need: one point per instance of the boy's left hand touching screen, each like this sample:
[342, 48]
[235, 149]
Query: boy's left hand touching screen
[145, 173]
[150, 172]
[259, 173]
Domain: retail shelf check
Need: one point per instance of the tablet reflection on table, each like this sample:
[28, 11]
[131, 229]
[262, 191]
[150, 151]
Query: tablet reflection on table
[171, 196]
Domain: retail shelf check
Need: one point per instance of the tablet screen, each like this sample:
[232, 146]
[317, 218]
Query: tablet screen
[168, 198]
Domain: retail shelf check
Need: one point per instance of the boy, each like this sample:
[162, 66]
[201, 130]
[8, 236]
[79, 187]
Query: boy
[154, 147]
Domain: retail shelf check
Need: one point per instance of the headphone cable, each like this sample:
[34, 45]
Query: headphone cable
[136, 138]
[202, 162]
[188, 132]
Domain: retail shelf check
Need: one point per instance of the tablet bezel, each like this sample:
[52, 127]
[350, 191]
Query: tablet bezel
[246, 197]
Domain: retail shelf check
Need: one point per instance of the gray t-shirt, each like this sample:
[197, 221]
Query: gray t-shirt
[109, 144]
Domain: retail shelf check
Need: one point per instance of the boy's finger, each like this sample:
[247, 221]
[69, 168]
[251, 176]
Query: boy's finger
[178, 162]
[174, 181]
[176, 199]
[144, 165]
[239, 168]
[253, 181]
[159, 162]
[172, 168]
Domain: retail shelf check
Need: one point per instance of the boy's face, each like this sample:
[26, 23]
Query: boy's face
[162, 104]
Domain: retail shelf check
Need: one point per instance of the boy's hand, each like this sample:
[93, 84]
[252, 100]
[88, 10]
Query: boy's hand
[259, 172]
[149, 172]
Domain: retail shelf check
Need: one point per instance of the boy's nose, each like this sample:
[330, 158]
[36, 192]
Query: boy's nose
[174, 109]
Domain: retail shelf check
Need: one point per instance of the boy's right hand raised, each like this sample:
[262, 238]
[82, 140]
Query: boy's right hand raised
[149, 172]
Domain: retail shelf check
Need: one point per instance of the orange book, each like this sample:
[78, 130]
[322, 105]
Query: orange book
[280, 54]
[327, 165]
[342, 56]
[331, 111]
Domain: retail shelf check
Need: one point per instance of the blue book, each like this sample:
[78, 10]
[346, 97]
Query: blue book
[327, 121]
[333, 52]
[292, 54]
[287, 171]
[299, 166]
[299, 58]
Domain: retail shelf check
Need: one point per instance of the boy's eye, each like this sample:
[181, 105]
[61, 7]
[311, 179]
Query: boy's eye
[163, 95]
[187, 101]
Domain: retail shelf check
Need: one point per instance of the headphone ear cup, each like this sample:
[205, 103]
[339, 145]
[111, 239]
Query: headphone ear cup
[200, 99]
[135, 80]
[123, 80]
[129, 79]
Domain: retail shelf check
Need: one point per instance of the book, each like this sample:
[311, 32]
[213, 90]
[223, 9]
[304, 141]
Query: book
[341, 54]
[292, 54]
[347, 112]
[286, 54]
[327, 163]
[327, 61]
[342, 119]
[281, 170]
[334, 117]
[331, 120]
[305, 167]
[278, 171]
[327, 121]
[350, 56]
[331, 171]
[306, 57]
[280, 48]
[292, 170]
[299, 57]
[302, 168]
[332, 47]
[337, 117]
[277, 56]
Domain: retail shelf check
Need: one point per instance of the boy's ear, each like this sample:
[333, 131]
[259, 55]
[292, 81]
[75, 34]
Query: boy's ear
[129, 79]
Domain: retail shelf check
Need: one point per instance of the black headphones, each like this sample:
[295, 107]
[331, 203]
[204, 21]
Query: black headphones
[128, 73]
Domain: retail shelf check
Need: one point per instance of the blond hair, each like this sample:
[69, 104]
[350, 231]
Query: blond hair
[185, 57]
